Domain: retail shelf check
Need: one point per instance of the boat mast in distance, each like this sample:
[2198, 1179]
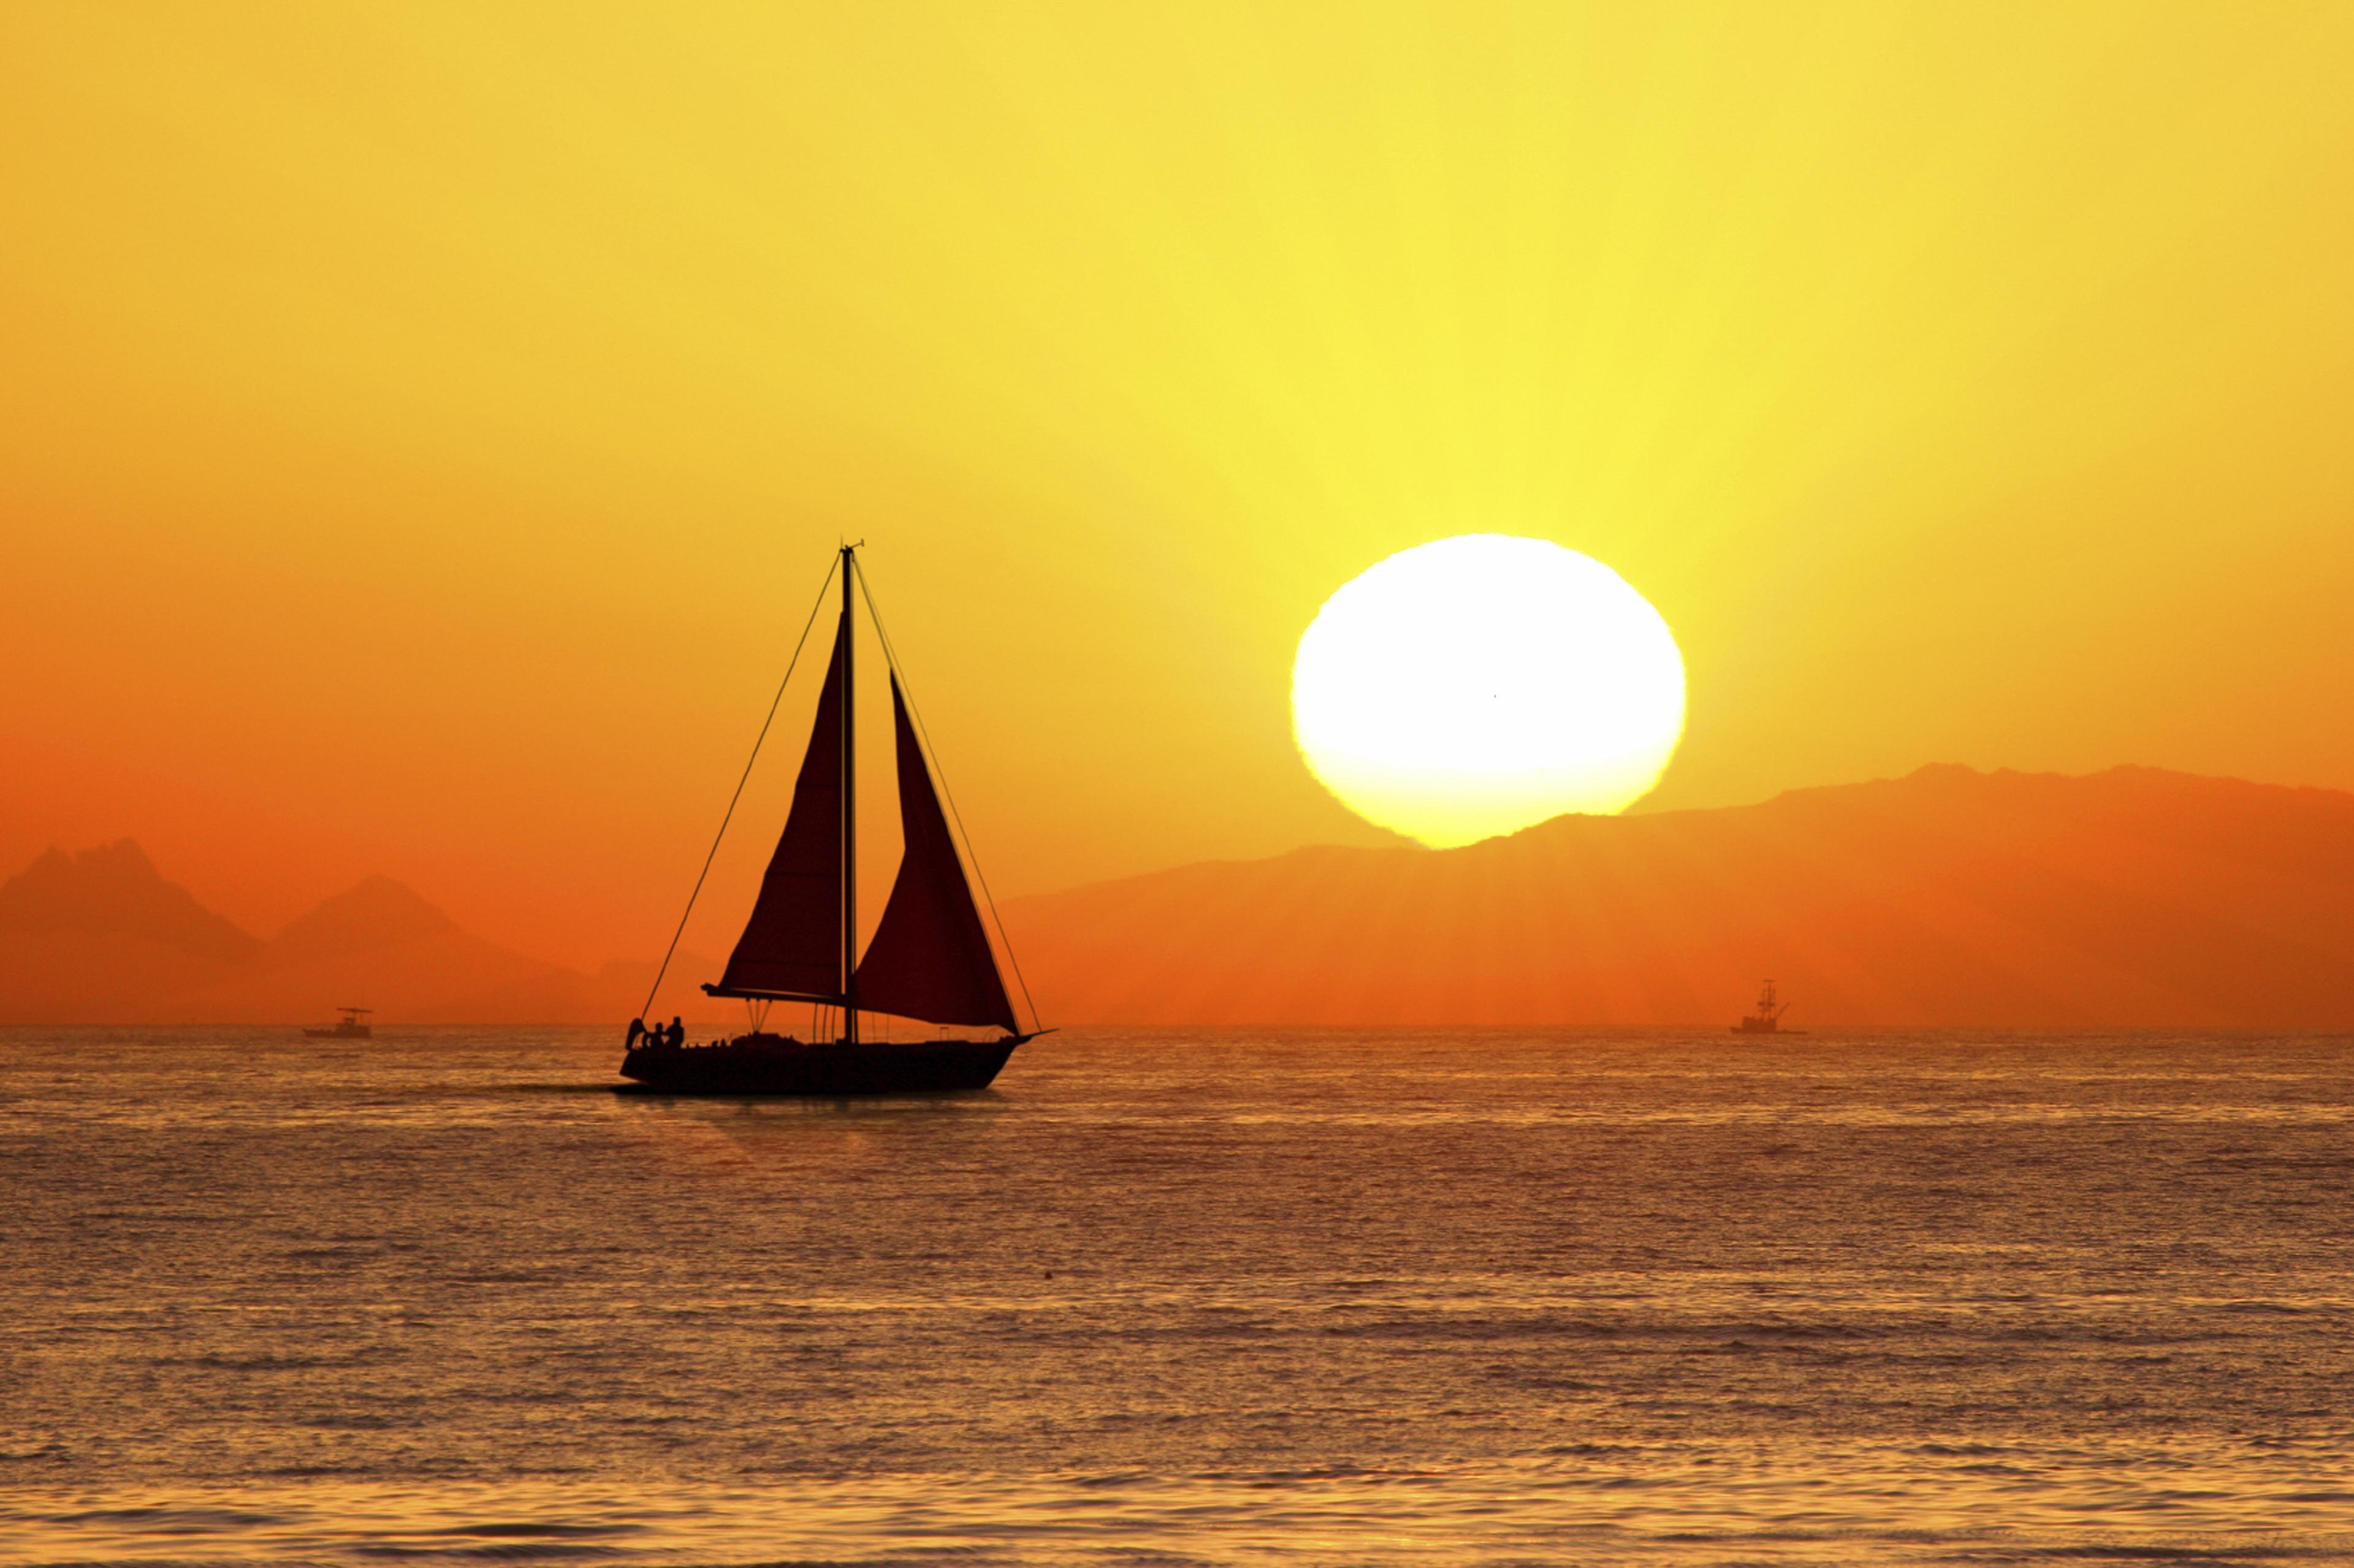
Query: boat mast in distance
[1768, 1018]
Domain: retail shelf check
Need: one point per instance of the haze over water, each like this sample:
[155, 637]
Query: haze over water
[1426, 1298]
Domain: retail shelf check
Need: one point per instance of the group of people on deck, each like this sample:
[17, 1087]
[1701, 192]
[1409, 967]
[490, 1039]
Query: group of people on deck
[675, 1036]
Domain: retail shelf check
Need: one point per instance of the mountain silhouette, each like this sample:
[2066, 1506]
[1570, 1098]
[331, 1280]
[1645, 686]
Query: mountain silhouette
[379, 913]
[1950, 896]
[381, 943]
[115, 890]
[102, 937]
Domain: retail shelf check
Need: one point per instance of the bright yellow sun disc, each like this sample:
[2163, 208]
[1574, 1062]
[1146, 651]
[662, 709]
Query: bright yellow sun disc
[1475, 686]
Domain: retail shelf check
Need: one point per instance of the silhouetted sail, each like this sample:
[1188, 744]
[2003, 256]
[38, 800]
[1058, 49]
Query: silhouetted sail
[792, 945]
[930, 957]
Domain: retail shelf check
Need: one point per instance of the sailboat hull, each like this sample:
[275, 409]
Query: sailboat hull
[774, 1065]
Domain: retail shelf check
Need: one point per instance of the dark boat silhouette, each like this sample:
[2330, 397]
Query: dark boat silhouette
[353, 1025]
[929, 959]
[1768, 1018]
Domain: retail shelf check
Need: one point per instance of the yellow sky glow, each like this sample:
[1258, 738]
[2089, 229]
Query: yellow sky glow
[422, 426]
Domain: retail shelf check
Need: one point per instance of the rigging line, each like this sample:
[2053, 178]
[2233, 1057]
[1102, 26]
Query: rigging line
[891, 656]
[729, 814]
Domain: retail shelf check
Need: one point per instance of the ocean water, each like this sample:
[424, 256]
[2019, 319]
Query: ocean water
[1413, 1298]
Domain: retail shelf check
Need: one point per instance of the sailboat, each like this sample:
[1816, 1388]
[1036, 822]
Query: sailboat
[1768, 1018]
[929, 959]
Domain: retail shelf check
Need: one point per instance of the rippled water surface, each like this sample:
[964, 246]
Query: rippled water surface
[1166, 1299]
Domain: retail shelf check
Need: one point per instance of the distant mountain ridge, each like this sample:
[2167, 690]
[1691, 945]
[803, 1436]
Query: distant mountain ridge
[102, 937]
[1947, 897]
[115, 890]
[378, 913]
[1950, 896]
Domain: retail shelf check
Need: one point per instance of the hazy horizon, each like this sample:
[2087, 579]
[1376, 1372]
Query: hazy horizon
[1947, 897]
[876, 876]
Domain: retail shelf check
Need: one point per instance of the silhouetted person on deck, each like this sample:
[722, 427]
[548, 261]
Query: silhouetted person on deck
[637, 1028]
[675, 1035]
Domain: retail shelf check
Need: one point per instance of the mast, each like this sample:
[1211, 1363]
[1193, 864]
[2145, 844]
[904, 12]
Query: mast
[849, 815]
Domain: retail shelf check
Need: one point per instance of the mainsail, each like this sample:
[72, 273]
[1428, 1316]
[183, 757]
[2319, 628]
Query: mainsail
[930, 956]
[791, 946]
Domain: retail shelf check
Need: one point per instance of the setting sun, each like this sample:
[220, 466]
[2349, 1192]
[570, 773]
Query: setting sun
[1477, 684]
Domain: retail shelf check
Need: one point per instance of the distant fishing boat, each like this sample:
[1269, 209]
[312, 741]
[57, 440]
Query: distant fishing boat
[353, 1026]
[930, 958]
[1768, 1018]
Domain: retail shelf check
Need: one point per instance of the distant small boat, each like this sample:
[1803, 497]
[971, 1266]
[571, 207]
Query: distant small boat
[930, 958]
[355, 1026]
[1768, 1018]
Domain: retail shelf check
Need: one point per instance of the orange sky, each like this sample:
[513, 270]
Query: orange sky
[423, 429]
